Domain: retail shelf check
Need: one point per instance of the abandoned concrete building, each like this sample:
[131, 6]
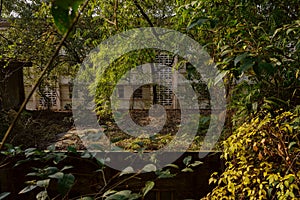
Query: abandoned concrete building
[142, 97]
[58, 96]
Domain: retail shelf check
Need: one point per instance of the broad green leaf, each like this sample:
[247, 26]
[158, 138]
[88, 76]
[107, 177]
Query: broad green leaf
[289, 30]
[57, 175]
[43, 195]
[86, 154]
[134, 196]
[211, 180]
[270, 192]
[149, 168]
[187, 160]
[219, 77]
[64, 13]
[148, 186]
[172, 165]
[32, 151]
[249, 62]
[62, 18]
[124, 194]
[51, 170]
[108, 192]
[51, 148]
[276, 31]
[59, 157]
[66, 183]
[72, 149]
[187, 169]
[254, 106]
[85, 198]
[165, 174]
[28, 189]
[196, 163]
[4, 194]
[240, 58]
[67, 167]
[43, 183]
[291, 179]
[199, 22]
[33, 174]
[264, 67]
[291, 144]
[286, 183]
[127, 170]
[226, 52]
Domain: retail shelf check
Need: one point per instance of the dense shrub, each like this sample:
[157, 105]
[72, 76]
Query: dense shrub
[262, 159]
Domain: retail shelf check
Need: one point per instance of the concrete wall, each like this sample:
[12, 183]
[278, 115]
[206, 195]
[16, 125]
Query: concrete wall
[61, 93]
[11, 84]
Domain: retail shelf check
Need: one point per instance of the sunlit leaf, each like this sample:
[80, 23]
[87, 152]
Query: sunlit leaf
[187, 160]
[199, 22]
[148, 186]
[149, 168]
[28, 189]
[187, 169]
[220, 76]
[43, 195]
[67, 167]
[4, 194]
[240, 58]
[43, 183]
[127, 170]
[172, 165]
[58, 175]
[196, 163]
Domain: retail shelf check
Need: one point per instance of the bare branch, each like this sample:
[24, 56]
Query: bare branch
[143, 13]
[115, 14]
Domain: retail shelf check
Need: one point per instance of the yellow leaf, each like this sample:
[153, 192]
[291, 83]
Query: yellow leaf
[255, 148]
[260, 156]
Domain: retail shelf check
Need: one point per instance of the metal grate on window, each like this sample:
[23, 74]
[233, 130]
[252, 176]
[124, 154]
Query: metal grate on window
[164, 93]
[49, 99]
[164, 59]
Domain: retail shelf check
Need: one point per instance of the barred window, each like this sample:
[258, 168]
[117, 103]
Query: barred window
[49, 99]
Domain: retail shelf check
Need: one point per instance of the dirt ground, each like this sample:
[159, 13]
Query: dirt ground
[41, 129]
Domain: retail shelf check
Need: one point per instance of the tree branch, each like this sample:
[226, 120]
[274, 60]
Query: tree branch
[115, 14]
[109, 21]
[38, 82]
[148, 20]
[143, 13]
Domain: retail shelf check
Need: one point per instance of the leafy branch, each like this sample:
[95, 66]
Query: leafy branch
[47, 68]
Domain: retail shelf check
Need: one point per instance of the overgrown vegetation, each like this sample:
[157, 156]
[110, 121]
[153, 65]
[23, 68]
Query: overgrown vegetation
[255, 45]
[51, 176]
[262, 159]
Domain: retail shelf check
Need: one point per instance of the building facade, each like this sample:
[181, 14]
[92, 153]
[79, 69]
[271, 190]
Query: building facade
[132, 92]
[57, 97]
[162, 71]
